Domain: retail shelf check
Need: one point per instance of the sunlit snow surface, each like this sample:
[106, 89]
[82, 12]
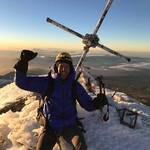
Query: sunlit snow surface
[20, 130]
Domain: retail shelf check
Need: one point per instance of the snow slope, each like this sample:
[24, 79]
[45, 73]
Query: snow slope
[20, 130]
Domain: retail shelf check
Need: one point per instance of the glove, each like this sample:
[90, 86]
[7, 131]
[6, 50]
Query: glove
[100, 101]
[22, 64]
[27, 55]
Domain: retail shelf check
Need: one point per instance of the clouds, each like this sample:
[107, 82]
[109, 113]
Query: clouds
[132, 67]
[95, 59]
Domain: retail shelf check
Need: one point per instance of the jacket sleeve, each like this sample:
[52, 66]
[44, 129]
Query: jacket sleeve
[83, 98]
[36, 84]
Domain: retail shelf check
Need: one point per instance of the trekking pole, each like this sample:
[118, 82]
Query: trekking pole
[105, 116]
[100, 84]
[114, 92]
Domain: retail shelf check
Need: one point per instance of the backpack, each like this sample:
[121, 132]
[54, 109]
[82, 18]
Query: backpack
[42, 120]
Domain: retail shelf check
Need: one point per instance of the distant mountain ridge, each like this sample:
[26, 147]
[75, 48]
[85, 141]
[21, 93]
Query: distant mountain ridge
[9, 75]
[6, 79]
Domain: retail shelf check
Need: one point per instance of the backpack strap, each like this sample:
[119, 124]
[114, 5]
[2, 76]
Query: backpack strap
[74, 91]
[49, 89]
[48, 92]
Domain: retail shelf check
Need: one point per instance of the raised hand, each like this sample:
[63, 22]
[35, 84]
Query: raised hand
[27, 55]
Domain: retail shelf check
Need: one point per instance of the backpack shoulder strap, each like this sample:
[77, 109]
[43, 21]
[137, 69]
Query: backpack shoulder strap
[40, 116]
[49, 89]
[48, 92]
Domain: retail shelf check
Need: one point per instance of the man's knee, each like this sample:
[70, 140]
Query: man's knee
[47, 140]
[75, 137]
[79, 143]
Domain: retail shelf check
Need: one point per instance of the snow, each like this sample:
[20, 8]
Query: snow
[20, 130]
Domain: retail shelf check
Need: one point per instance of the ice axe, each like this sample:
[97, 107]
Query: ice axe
[101, 85]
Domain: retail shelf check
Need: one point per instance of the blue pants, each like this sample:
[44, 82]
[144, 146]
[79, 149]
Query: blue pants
[73, 135]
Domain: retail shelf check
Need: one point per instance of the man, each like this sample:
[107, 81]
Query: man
[60, 109]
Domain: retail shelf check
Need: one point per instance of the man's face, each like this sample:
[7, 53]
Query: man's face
[63, 70]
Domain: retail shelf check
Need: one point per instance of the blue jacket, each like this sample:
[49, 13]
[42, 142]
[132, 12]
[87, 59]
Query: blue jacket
[60, 108]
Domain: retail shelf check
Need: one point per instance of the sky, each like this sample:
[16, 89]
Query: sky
[20, 130]
[23, 25]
